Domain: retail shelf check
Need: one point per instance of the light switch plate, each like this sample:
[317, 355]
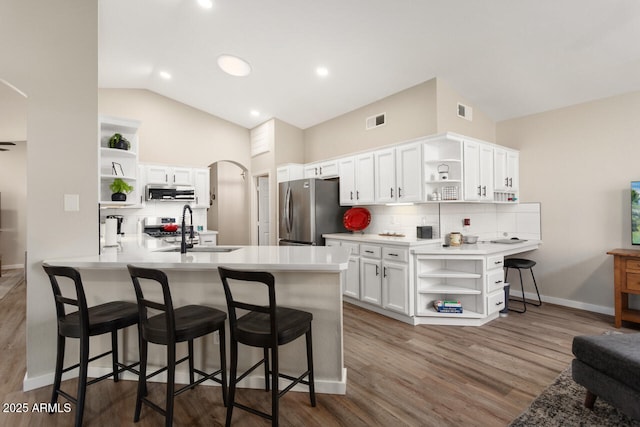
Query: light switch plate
[71, 202]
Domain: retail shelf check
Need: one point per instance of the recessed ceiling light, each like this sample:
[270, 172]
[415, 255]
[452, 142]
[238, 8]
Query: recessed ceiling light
[233, 65]
[205, 4]
[165, 75]
[322, 71]
[255, 113]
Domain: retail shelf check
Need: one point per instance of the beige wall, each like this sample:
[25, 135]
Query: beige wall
[426, 109]
[13, 177]
[229, 212]
[49, 52]
[481, 126]
[578, 162]
[409, 114]
[289, 143]
[174, 133]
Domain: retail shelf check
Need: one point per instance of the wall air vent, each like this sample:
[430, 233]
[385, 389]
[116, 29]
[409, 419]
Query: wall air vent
[376, 121]
[465, 111]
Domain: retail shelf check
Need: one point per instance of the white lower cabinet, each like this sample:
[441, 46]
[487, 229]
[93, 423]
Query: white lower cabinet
[395, 289]
[371, 274]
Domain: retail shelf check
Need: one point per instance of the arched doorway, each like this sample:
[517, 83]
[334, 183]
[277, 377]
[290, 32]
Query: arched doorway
[230, 204]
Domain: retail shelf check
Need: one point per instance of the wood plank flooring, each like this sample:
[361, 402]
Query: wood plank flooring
[397, 375]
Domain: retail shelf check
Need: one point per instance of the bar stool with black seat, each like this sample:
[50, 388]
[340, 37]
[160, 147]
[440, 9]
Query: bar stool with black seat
[169, 327]
[84, 323]
[267, 327]
[520, 264]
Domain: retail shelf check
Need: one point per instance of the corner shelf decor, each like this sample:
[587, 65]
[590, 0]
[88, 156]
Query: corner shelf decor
[118, 158]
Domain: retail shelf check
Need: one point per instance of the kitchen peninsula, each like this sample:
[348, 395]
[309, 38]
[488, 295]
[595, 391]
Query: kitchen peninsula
[308, 278]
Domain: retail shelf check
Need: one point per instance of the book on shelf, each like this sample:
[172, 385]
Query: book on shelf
[447, 306]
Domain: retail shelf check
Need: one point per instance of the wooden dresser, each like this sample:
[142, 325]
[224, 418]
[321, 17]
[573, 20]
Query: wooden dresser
[626, 273]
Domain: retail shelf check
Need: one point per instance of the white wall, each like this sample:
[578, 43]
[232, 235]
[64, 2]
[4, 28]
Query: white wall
[578, 162]
[49, 52]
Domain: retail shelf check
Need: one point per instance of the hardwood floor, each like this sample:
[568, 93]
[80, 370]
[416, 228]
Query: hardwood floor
[397, 375]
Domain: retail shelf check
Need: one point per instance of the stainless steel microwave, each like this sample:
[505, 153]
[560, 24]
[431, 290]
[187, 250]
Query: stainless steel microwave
[170, 193]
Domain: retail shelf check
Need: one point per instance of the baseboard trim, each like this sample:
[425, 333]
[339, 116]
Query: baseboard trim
[13, 267]
[565, 302]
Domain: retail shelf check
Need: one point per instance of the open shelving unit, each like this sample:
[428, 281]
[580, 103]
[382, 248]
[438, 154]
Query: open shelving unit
[116, 163]
[443, 154]
[450, 278]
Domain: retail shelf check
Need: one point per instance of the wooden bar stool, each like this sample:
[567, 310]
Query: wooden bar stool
[168, 328]
[84, 323]
[267, 327]
[519, 264]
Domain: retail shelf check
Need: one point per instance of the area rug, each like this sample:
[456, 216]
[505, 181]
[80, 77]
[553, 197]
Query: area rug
[562, 404]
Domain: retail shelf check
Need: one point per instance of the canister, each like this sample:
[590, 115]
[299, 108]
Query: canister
[455, 238]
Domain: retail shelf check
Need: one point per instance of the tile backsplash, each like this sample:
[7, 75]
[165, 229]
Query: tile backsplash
[488, 221]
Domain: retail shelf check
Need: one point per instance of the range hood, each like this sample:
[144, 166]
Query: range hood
[170, 193]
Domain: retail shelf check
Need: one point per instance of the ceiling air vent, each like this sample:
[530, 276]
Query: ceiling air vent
[465, 111]
[376, 121]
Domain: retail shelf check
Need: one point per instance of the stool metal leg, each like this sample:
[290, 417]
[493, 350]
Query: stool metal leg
[312, 388]
[524, 303]
[114, 355]
[537, 292]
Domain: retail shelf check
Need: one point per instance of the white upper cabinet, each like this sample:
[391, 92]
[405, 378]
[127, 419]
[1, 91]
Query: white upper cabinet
[322, 170]
[290, 172]
[168, 175]
[478, 171]
[201, 184]
[506, 170]
[356, 180]
[398, 174]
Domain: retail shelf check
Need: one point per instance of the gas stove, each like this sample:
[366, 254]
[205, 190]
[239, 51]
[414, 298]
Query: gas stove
[154, 227]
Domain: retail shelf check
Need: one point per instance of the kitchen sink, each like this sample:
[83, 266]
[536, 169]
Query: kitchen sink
[201, 249]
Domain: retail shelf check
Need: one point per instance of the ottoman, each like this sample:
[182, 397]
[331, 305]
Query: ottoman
[608, 366]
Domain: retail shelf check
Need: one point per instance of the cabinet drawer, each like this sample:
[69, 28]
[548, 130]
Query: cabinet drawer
[495, 280]
[496, 261]
[495, 302]
[370, 251]
[395, 254]
[353, 247]
[633, 281]
[633, 264]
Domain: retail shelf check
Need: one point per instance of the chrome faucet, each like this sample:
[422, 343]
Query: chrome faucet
[183, 243]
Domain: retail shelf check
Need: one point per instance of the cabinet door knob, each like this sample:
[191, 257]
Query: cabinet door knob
[479, 190]
[384, 271]
[391, 193]
[377, 270]
[351, 195]
[399, 192]
[357, 195]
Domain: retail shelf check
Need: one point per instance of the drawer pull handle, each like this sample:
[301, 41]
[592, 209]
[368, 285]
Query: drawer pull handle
[499, 302]
[393, 255]
[369, 252]
[498, 262]
[498, 281]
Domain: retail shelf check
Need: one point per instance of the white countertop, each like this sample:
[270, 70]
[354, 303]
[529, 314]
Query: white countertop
[480, 248]
[410, 241]
[146, 251]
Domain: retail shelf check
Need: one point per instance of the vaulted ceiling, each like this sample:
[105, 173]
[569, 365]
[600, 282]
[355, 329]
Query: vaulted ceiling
[510, 58]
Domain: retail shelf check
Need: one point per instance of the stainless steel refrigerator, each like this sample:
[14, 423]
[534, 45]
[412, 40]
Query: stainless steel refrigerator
[307, 209]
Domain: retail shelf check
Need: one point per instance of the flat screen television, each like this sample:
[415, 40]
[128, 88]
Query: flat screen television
[635, 212]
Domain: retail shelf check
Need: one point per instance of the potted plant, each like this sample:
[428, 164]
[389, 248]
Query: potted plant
[119, 188]
[120, 142]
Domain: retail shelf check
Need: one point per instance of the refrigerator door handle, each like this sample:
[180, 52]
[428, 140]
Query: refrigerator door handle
[288, 210]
